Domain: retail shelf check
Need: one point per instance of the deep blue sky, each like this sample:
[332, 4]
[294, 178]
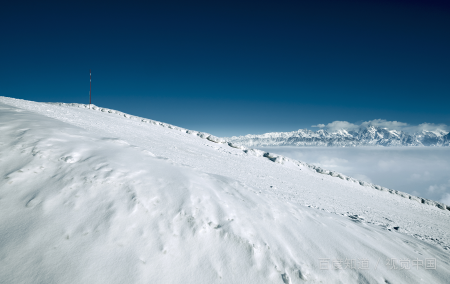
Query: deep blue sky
[234, 67]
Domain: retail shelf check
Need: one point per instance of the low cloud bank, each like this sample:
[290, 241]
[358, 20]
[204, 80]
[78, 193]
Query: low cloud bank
[420, 171]
[397, 125]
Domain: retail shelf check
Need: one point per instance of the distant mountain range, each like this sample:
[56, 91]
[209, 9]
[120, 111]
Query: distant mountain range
[365, 136]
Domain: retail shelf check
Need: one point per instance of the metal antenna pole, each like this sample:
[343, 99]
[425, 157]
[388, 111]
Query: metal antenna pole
[90, 87]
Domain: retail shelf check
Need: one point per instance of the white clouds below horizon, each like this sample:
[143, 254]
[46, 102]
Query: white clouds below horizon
[392, 125]
[419, 171]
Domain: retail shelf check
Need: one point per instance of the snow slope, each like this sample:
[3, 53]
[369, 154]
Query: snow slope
[88, 196]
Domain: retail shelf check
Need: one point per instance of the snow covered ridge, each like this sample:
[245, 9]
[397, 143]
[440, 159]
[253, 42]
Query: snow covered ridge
[258, 153]
[281, 159]
[81, 207]
[145, 120]
[366, 136]
[93, 197]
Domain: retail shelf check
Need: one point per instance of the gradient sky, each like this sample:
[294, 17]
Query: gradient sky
[234, 67]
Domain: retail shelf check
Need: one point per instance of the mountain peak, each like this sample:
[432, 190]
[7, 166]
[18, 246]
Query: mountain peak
[370, 135]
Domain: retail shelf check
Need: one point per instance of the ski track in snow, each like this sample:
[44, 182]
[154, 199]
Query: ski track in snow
[186, 164]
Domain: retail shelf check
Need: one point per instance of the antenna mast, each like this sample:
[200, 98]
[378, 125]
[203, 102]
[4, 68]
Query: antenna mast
[90, 87]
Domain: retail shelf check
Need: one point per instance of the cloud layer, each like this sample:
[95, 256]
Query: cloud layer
[391, 125]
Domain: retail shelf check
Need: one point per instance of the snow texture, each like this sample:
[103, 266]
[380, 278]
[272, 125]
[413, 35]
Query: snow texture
[100, 196]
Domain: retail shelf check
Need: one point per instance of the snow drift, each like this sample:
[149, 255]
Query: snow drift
[86, 197]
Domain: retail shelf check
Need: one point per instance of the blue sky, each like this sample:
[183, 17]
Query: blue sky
[234, 67]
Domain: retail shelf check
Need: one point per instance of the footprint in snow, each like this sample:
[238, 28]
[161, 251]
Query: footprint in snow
[285, 278]
[69, 159]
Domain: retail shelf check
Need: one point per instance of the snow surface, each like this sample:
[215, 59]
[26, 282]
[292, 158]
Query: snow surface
[99, 196]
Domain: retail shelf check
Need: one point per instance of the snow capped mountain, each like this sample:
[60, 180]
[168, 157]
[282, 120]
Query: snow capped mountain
[93, 195]
[366, 136]
[432, 138]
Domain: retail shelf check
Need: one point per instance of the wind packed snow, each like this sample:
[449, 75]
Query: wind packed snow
[99, 196]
